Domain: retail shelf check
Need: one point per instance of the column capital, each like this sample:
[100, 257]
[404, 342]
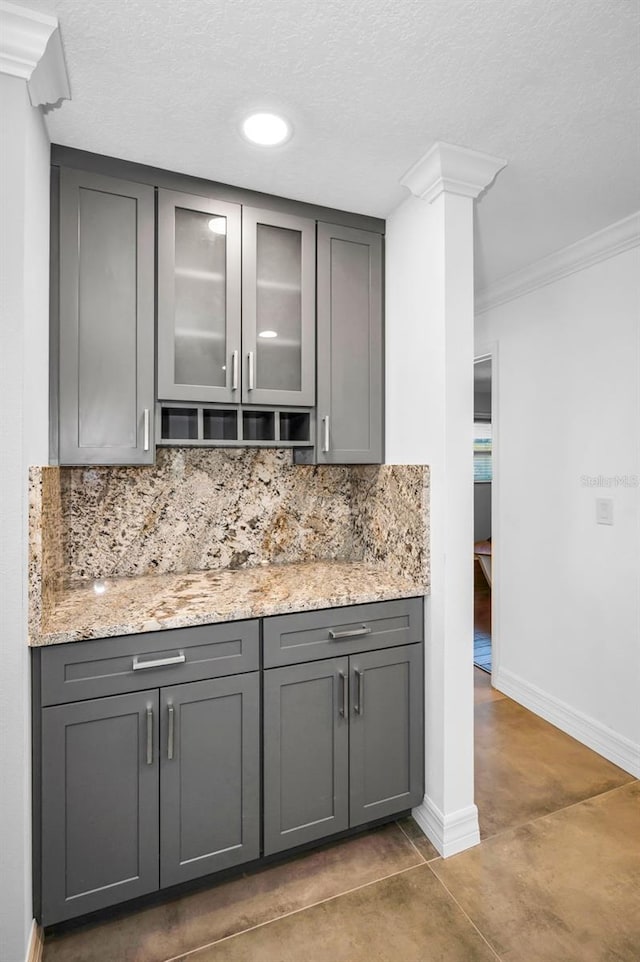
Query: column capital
[451, 169]
[31, 48]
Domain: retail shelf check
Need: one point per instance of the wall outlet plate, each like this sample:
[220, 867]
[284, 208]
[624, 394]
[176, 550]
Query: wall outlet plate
[604, 510]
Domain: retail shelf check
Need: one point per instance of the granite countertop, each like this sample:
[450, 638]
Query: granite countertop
[122, 606]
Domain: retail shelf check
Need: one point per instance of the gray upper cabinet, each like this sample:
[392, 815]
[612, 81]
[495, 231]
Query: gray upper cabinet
[99, 803]
[210, 776]
[349, 344]
[199, 263]
[105, 326]
[386, 733]
[278, 308]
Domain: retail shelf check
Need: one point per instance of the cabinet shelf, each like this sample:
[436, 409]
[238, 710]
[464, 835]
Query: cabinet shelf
[197, 425]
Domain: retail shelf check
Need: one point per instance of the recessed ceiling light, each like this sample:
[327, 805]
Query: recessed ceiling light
[268, 334]
[218, 225]
[267, 130]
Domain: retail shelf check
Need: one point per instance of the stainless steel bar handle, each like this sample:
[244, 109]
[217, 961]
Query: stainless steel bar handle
[325, 433]
[234, 371]
[359, 705]
[149, 736]
[146, 429]
[344, 708]
[351, 633]
[251, 370]
[171, 734]
[158, 662]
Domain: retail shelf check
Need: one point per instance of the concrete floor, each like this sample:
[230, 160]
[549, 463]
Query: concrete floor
[556, 877]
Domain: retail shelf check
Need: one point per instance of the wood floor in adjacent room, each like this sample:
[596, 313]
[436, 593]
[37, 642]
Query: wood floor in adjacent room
[556, 877]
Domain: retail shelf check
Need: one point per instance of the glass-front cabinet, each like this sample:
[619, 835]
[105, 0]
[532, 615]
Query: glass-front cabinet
[278, 308]
[199, 254]
[223, 340]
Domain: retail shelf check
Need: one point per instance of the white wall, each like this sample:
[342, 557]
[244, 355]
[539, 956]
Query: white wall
[24, 280]
[568, 590]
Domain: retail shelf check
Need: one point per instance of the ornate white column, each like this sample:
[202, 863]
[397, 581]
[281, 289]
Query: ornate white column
[429, 325]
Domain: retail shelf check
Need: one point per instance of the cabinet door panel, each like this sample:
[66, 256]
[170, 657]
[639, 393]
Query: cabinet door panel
[106, 336]
[350, 387]
[198, 298]
[306, 744]
[99, 803]
[387, 733]
[278, 308]
[210, 776]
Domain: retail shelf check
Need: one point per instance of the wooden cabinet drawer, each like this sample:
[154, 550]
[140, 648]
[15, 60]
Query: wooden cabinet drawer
[109, 666]
[292, 639]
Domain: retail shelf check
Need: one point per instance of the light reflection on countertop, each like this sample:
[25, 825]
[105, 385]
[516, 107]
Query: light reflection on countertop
[108, 607]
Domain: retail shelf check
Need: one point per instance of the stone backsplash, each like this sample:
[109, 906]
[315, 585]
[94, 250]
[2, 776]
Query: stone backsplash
[197, 510]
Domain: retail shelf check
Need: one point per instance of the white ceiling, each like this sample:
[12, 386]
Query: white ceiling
[551, 85]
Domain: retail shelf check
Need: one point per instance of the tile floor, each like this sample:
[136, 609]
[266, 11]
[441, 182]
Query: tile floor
[555, 879]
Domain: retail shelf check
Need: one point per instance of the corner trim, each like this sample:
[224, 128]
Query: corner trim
[35, 949]
[452, 833]
[456, 170]
[614, 239]
[31, 48]
[616, 748]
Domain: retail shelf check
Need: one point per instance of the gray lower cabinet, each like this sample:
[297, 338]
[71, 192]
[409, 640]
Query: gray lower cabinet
[386, 760]
[306, 753]
[105, 321]
[99, 803]
[147, 747]
[343, 743]
[209, 776]
[144, 790]
[349, 334]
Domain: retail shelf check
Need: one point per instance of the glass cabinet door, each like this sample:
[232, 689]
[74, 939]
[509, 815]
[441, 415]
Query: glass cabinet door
[198, 298]
[278, 308]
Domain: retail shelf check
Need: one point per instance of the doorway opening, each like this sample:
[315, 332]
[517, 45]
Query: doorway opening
[482, 522]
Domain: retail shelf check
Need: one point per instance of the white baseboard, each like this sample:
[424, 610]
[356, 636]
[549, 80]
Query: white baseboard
[449, 834]
[603, 740]
[35, 948]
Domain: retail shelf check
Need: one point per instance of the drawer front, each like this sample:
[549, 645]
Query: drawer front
[109, 666]
[292, 639]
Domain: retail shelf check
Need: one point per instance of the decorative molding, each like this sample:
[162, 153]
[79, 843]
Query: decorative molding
[603, 740]
[31, 48]
[35, 949]
[615, 239]
[452, 833]
[456, 170]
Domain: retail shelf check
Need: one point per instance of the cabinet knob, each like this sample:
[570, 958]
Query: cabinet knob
[146, 429]
[252, 371]
[234, 371]
[325, 433]
[149, 736]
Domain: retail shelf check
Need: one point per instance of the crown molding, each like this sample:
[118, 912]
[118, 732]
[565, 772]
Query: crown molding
[451, 169]
[615, 239]
[31, 48]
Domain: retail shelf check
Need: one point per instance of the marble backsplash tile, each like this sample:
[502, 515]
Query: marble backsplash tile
[197, 510]
[390, 511]
[47, 564]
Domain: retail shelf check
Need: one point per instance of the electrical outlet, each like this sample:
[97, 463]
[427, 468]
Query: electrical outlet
[604, 510]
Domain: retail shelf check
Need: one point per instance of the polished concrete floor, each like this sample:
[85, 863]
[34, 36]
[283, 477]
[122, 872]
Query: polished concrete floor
[556, 877]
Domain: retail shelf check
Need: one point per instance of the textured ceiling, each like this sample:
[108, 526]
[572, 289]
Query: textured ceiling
[551, 85]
